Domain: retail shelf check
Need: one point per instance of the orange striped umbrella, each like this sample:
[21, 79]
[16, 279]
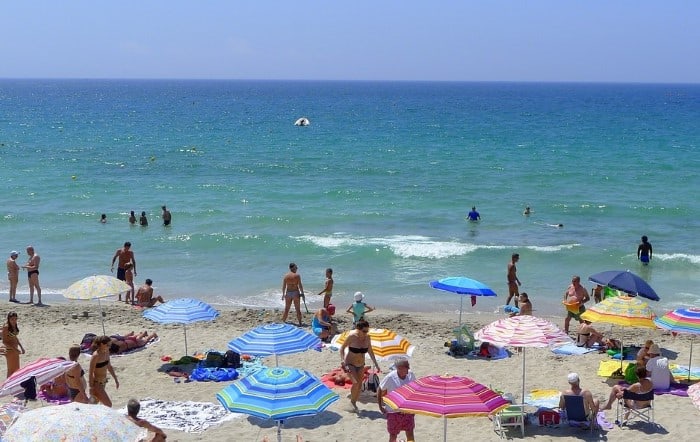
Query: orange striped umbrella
[386, 344]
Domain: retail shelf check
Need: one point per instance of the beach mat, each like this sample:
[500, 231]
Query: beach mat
[328, 381]
[680, 372]
[191, 417]
[542, 398]
[607, 368]
[675, 389]
[502, 354]
[572, 349]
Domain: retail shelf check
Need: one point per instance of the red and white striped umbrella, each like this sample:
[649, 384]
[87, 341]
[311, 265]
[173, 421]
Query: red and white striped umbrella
[44, 370]
[522, 331]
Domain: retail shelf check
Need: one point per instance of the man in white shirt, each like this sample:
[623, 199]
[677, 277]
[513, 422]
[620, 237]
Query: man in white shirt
[397, 422]
[658, 370]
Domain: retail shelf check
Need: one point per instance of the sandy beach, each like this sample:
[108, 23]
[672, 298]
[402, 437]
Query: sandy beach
[49, 331]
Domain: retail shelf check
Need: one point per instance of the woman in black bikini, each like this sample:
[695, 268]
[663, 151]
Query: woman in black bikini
[75, 377]
[358, 343]
[10, 340]
[99, 366]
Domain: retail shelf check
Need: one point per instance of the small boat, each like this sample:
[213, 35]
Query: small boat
[303, 121]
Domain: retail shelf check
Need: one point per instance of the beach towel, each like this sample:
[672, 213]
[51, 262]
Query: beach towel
[675, 389]
[680, 372]
[8, 413]
[572, 349]
[502, 354]
[630, 354]
[607, 368]
[191, 417]
[543, 398]
[56, 400]
[328, 378]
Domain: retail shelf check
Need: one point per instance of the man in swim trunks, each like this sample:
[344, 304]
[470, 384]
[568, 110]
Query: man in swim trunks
[144, 296]
[292, 291]
[575, 296]
[644, 251]
[397, 422]
[125, 255]
[167, 217]
[513, 281]
[473, 215]
[32, 268]
[327, 288]
[13, 275]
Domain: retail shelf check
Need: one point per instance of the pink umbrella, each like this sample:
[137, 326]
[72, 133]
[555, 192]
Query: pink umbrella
[523, 331]
[446, 396]
[44, 370]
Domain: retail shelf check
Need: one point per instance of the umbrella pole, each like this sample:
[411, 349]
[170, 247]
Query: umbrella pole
[522, 398]
[444, 428]
[279, 431]
[461, 303]
[277, 362]
[102, 318]
[690, 362]
[184, 327]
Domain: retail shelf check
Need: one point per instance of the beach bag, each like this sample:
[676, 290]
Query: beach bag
[29, 386]
[373, 382]
[232, 359]
[205, 374]
[548, 418]
[631, 374]
[214, 359]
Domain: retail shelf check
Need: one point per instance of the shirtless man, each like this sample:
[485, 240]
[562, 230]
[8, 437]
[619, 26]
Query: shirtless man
[132, 408]
[32, 268]
[574, 297]
[144, 296]
[513, 281]
[167, 216]
[644, 250]
[125, 255]
[292, 290]
[13, 275]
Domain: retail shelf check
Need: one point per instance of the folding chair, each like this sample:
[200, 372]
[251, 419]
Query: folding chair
[627, 412]
[513, 416]
[576, 414]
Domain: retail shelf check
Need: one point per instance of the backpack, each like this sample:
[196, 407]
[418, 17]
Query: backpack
[214, 359]
[232, 359]
[373, 382]
[548, 418]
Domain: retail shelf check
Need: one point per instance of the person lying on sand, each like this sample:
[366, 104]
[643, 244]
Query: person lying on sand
[130, 341]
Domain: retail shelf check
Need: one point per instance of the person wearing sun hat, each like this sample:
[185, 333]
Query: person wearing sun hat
[359, 308]
[575, 389]
[658, 370]
[13, 274]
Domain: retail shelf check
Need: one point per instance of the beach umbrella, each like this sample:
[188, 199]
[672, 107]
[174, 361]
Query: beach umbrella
[277, 393]
[625, 311]
[682, 320]
[386, 344]
[694, 394]
[522, 331]
[464, 287]
[96, 287]
[182, 311]
[275, 339]
[43, 369]
[446, 397]
[73, 422]
[625, 281]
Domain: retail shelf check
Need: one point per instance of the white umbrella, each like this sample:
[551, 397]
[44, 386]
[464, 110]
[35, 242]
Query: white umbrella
[96, 287]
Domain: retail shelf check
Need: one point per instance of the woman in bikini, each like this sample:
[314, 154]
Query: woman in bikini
[13, 347]
[99, 366]
[75, 377]
[357, 343]
[124, 343]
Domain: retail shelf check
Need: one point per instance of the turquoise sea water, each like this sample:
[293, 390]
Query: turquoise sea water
[377, 187]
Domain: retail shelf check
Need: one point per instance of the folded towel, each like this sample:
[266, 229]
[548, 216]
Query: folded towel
[572, 349]
[607, 368]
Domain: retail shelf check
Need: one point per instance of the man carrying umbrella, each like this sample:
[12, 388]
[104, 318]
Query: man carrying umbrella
[575, 297]
[397, 422]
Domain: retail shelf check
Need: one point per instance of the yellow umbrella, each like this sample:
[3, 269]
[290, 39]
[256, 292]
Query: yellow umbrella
[386, 344]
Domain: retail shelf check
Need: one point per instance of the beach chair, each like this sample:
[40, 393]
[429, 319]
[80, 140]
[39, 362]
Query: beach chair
[576, 414]
[464, 342]
[513, 416]
[626, 413]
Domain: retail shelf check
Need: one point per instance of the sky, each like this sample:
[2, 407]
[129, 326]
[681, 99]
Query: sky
[441, 40]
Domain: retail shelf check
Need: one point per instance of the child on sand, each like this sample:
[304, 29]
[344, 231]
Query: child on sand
[327, 291]
[359, 308]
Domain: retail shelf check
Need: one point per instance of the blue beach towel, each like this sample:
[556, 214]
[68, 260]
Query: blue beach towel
[572, 349]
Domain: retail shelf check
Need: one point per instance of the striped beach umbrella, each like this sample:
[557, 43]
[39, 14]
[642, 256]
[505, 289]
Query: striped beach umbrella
[182, 311]
[386, 344]
[277, 393]
[446, 397]
[275, 339]
[96, 287]
[464, 287]
[44, 370]
[682, 320]
[522, 331]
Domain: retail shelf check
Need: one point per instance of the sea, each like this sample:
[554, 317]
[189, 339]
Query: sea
[377, 187]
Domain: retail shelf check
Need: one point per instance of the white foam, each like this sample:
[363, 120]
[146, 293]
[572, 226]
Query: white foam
[693, 259]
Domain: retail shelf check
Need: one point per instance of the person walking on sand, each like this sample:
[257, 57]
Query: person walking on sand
[473, 215]
[10, 341]
[357, 343]
[143, 221]
[167, 216]
[513, 281]
[125, 256]
[292, 291]
[75, 377]
[327, 291]
[397, 422]
[575, 297]
[132, 409]
[144, 296]
[13, 275]
[32, 268]
[100, 364]
[644, 251]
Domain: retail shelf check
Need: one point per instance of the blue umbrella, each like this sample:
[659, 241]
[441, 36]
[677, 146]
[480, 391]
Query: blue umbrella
[275, 339]
[462, 286]
[277, 393]
[625, 281]
[182, 311]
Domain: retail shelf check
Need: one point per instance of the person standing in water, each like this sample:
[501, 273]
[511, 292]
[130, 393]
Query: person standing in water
[167, 216]
[473, 215]
[644, 251]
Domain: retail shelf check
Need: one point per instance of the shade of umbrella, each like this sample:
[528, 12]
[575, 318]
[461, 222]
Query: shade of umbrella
[74, 422]
[182, 311]
[625, 281]
[44, 370]
[446, 397]
[96, 287]
[694, 394]
[277, 393]
[682, 320]
[386, 344]
[626, 311]
[275, 339]
[522, 331]
[462, 286]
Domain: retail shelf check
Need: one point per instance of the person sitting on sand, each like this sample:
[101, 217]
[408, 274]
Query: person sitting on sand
[130, 341]
[643, 386]
[588, 336]
[321, 324]
[57, 388]
[524, 305]
[75, 377]
[132, 408]
[643, 353]
[590, 404]
[144, 296]
[658, 370]
[359, 308]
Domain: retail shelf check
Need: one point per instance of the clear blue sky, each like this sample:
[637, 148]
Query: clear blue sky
[488, 40]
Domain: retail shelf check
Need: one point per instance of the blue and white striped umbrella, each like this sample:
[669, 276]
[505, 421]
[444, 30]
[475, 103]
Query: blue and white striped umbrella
[277, 393]
[182, 311]
[275, 339]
